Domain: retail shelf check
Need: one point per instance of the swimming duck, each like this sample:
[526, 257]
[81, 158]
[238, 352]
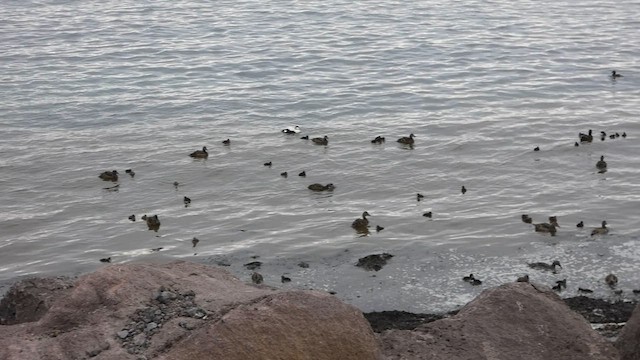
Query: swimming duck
[257, 278]
[378, 140]
[468, 278]
[584, 290]
[615, 75]
[379, 228]
[284, 174]
[524, 278]
[586, 137]
[617, 135]
[601, 230]
[306, 137]
[303, 173]
[527, 219]
[284, 279]
[624, 135]
[186, 201]
[360, 224]
[428, 214]
[132, 217]
[291, 130]
[153, 223]
[106, 260]
[267, 164]
[419, 196]
[176, 184]
[463, 190]
[109, 175]
[602, 165]
[580, 224]
[612, 136]
[547, 227]
[576, 144]
[195, 241]
[553, 220]
[611, 280]
[130, 172]
[226, 142]
[544, 266]
[320, 187]
[537, 148]
[200, 154]
[407, 140]
[321, 141]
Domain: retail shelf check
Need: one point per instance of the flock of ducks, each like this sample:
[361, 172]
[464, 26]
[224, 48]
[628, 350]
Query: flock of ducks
[361, 225]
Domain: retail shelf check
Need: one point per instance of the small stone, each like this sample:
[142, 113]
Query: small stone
[140, 340]
[123, 334]
[196, 312]
[150, 326]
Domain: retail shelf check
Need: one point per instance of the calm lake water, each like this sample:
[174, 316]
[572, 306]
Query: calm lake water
[90, 86]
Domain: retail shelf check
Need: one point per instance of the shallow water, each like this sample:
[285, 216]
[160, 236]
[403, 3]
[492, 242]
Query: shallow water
[89, 87]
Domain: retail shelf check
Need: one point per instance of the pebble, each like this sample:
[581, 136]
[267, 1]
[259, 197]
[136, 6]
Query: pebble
[123, 334]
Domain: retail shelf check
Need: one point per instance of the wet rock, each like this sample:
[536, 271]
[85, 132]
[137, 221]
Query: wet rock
[513, 321]
[123, 334]
[401, 320]
[374, 262]
[628, 343]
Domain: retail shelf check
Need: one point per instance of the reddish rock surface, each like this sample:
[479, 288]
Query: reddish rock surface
[179, 310]
[628, 342]
[512, 321]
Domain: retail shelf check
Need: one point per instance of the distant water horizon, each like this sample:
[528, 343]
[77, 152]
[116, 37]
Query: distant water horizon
[93, 87]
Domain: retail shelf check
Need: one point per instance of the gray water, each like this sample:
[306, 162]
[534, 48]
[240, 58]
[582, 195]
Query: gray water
[90, 86]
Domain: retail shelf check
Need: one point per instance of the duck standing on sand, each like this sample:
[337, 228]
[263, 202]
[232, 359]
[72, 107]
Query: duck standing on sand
[109, 175]
[601, 230]
[200, 154]
[407, 140]
[321, 141]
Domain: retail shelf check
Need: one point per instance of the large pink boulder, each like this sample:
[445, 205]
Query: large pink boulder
[628, 343]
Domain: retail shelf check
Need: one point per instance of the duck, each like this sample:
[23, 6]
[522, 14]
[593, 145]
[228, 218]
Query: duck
[544, 266]
[306, 137]
[463, 190]
[612, 136]
[624, 135]
[186, 201]
[379, 228]
[428, 214]
[109, 175]
[601, 230]
[256, 278]
[585, 290]
[268, 164]
[195, 241]
[152, 222]
[176, 184]
[547, 227]
[611, 280]
[130, 172]
[615, 75]
[226, 142]
[524, 278]
[576, 144]
[419, 196]
[602, 165]
[407, 140]
[360, 224]
[106, 260]
[537, 148]
[321, 141]
[303, 173]
[586, 137]
[284, 279]
[292, 130]
[200, 154]
[468, 278]
[580, 224]
[320, 187]
[284, 174]
[132, 217]
[378, 140]
[553, 220]
[526, 219]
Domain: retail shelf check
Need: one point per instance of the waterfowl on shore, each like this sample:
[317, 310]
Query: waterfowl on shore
[600, 230]
[407, 140]
[378, 140]
[524, 278]
[586, 137]
[106, 260]
[526, 219]
[226, 142]
[256, 278]
[580, 224]
[109, 175]
[200, 154]
[292, 130]
[186, 201]
[321, 141]
[153, 223]
[195, 241]
[463, 190]
[361, 224]
[544, 266]
[611, 280]
[602, 165]
[130, 172]
[303, 174]
[615, 75]
[419, 196]
[320, 187]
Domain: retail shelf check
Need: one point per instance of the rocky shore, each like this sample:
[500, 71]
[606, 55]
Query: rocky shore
[183, 310]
